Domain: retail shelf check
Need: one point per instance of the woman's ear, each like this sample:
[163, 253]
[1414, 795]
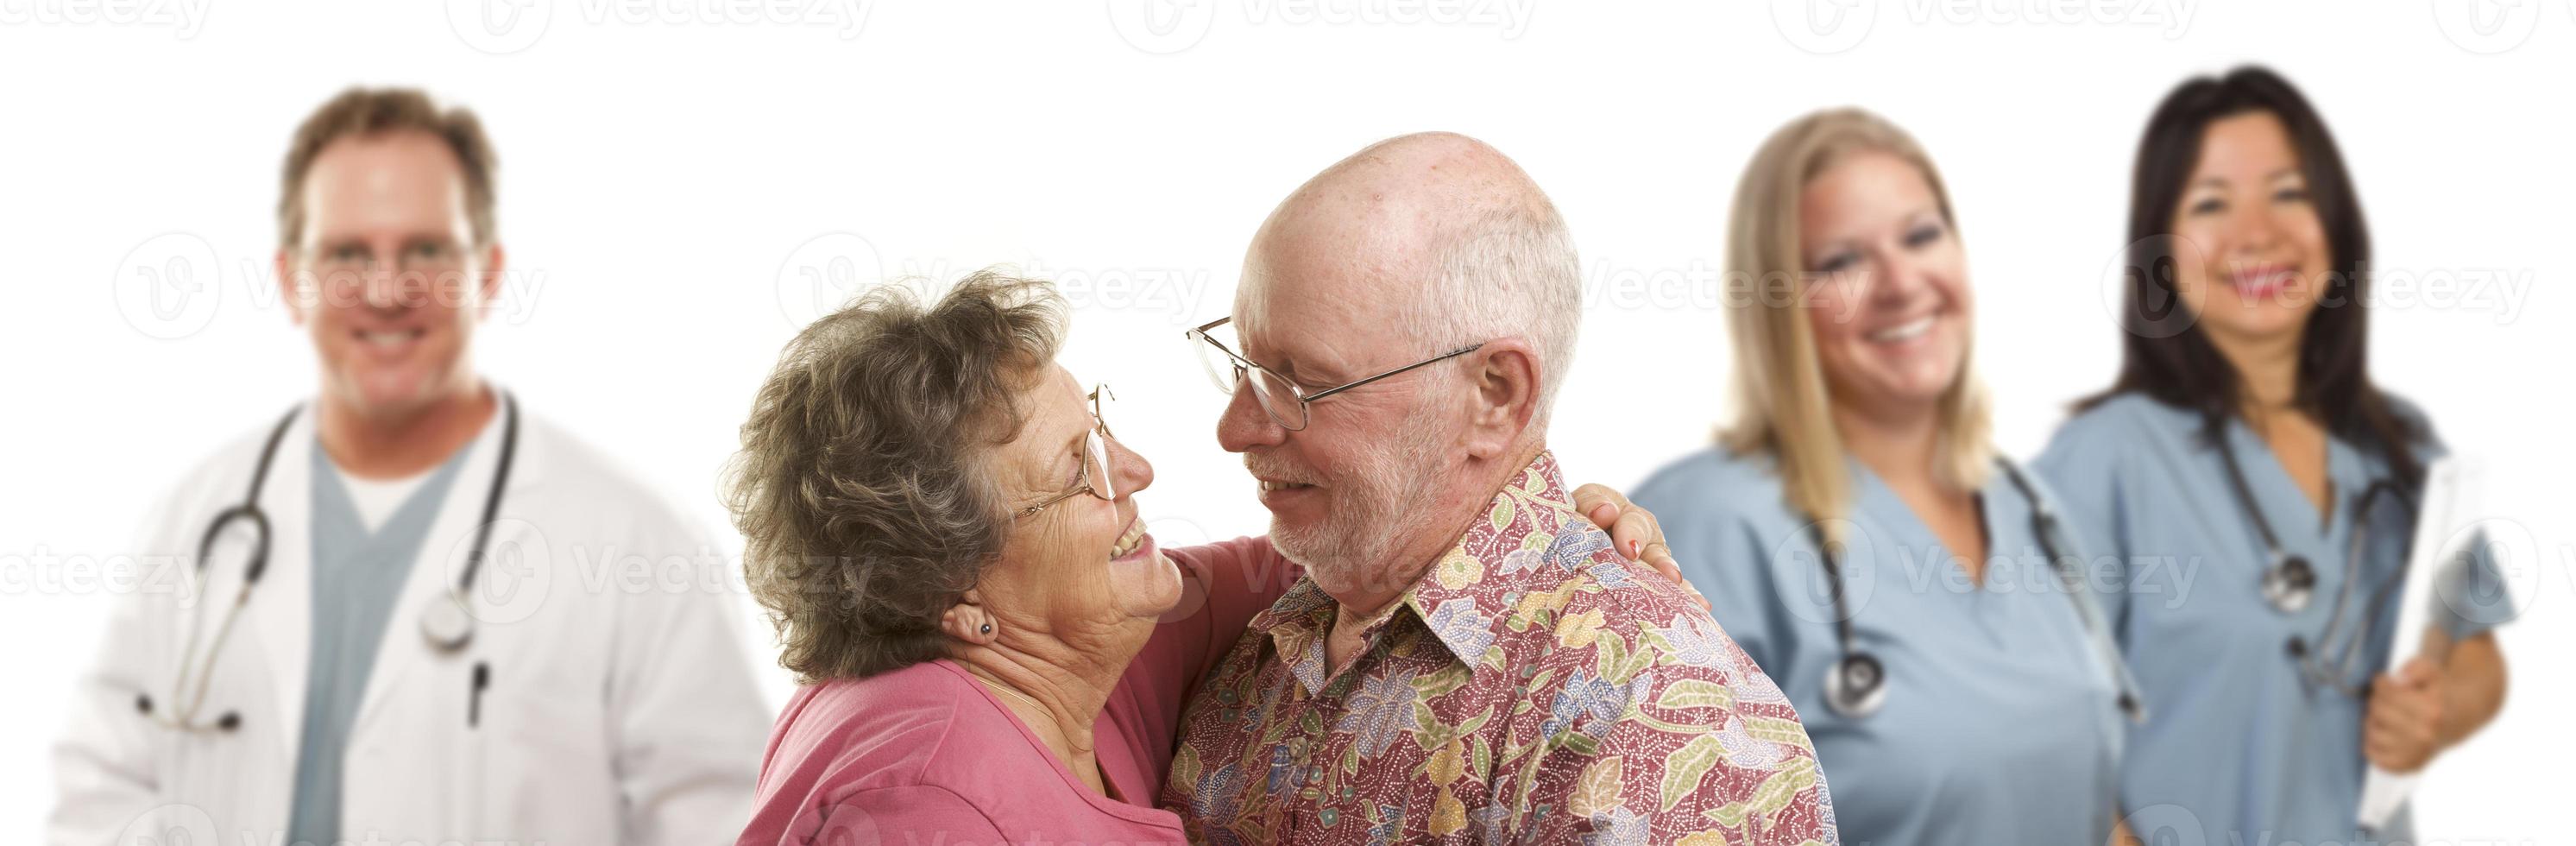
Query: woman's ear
[968, 621]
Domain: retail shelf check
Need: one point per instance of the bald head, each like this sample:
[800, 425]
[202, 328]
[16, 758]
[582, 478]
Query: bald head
[1431, 241]
[1431, 249]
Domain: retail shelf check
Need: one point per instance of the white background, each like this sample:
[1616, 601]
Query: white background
[672, 174]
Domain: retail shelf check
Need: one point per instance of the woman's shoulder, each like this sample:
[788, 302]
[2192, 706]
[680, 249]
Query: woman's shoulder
[1724, 513]
[891, 729]
[2103, 432]
[1712, 480]
[918, 747]
[2418, 424]
[2127, 414]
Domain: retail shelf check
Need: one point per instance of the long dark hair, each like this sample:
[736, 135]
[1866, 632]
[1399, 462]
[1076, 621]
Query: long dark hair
[2166, 356]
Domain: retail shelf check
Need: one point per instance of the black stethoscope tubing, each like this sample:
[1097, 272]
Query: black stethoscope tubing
[2288, 582]
[446, 625]
[1856, 686]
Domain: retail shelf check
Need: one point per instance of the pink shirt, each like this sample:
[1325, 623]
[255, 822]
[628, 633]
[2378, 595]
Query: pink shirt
[926, 754]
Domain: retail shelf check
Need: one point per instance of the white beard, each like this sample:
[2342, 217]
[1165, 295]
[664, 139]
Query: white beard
[1372, 513]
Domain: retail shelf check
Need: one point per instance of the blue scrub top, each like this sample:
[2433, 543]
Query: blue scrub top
[2001, 723]
[357, 576]
[2238, 747]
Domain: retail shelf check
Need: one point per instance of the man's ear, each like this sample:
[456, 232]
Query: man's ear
[490, 283]
[968, 621]
[1503, 396]
[288, 287]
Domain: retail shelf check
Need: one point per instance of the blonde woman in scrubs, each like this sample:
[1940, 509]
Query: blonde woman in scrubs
[1983, 707]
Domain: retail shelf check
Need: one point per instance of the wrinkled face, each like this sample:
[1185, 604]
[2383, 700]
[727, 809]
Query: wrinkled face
[1345, 492]
[2252, 258]
[1083, 563]
[1888, 304]
[386, 276]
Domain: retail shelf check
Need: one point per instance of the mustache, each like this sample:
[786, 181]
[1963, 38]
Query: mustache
[1274, 469]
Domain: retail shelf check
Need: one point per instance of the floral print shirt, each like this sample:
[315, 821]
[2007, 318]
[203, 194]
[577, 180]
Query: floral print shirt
[1533, 687]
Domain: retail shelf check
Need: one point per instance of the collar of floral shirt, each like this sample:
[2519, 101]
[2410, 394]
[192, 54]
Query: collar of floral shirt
[1496, 573]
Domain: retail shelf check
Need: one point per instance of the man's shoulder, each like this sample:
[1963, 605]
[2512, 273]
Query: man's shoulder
[1564, 599]
[553, 452]
[586, 492]
[1580, 574]
[1653, 623]
[1638, 682]
[1619, 619]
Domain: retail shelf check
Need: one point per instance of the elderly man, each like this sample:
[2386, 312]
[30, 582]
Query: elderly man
[1466, 656]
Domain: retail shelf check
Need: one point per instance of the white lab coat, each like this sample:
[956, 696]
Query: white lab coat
[620, 708]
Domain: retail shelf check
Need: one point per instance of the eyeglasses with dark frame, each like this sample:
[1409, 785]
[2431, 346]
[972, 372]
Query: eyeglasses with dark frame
[1274, 390]
[1095, 477]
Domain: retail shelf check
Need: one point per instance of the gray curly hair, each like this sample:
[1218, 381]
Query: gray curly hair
[861, 489]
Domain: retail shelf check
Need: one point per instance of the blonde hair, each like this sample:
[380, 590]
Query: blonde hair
[1783, 406]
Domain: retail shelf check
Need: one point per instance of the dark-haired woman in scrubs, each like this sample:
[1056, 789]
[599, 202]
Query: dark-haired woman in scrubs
[2257, 493]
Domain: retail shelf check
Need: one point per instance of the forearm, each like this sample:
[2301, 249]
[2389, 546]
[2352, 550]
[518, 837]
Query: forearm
[2473, 688]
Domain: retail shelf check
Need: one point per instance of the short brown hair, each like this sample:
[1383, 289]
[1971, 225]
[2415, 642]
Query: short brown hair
[862, 490]
[375, 111]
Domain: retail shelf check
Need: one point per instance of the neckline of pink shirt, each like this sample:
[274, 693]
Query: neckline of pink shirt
[1104, 804]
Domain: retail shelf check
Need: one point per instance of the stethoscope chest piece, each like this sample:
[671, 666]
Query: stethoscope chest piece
[2289, 583]
[447, 625]
[1857, 686]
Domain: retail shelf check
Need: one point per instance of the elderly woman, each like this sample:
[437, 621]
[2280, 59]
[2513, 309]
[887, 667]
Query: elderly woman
[945, 533]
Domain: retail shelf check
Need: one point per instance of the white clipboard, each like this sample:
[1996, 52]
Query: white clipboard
[2451, 487]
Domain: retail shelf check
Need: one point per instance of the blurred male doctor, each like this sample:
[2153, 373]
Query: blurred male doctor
[427, 651]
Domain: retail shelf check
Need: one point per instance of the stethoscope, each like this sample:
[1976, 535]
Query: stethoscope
[1856, 686]
[2289, 582]
[445, 624]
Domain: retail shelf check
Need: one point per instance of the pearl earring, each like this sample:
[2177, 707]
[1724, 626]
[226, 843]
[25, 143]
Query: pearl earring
[988, 628]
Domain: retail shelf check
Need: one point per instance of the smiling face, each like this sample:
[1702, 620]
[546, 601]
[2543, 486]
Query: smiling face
[2253, 255]
[1346, 494]
[386, 275]
[1083, 563]
[1889, 306]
